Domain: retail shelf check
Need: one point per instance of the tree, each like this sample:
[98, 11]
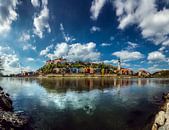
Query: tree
[1, 66]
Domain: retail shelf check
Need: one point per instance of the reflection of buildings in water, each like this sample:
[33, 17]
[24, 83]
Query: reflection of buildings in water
[142, 82]
[87, 84]
[91, 84]
[80, 84]
[139, 82]
[122, 82]
[115, 82]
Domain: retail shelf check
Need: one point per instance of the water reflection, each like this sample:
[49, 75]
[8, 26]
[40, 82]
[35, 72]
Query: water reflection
[81, 84]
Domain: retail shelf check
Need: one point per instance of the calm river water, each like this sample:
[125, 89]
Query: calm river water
[87, 103]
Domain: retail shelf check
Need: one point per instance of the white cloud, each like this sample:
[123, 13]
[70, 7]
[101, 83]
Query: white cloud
[95, 29]
[44, 2]
[29, 47]
[126, 55]
[154, 68]
[30, 59]
[110, 61]
[115, 62]
[162, 48]
[144, 13]
[46, 50]
[156, 56]
[40, 21]
[96, 7]
[76, 51]
[166, 42]
[35, 3]
[10, 60]
[105, 44]
[66, 36]
[131, 46]
[8, 15]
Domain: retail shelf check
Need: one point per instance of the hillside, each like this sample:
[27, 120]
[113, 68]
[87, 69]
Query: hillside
[161, 74]
[68, 67]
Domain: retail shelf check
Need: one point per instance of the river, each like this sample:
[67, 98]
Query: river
[86, 103]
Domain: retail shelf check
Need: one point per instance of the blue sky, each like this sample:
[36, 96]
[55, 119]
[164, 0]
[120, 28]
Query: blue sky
[33, 31]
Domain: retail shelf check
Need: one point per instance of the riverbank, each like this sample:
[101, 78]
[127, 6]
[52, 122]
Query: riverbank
[161, 121]
[86, 76]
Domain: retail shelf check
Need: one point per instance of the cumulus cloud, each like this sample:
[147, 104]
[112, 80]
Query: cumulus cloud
[8, 15]
[40, 21]
[96, 7]
[10, 60]
[156, 56]
[95, 29]
[129, 56]
[66, 36]
[35, 3]
[75, 52]
[152, 21]
[46, 50]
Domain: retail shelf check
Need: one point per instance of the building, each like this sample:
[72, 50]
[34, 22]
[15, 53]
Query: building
[119, 65]
[143, 73]
[56, 61]
[126, 71]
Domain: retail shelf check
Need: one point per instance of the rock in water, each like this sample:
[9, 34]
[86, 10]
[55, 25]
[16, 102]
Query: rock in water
[9, 119]
[12, 120]
[5, 101]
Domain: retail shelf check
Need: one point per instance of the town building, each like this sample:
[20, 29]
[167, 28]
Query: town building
[56, 61]
[143, 73]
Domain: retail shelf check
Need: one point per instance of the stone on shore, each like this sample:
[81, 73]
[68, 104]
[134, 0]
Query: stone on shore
[9, 119]
[5, 102]
[161, 121]
[160, 118]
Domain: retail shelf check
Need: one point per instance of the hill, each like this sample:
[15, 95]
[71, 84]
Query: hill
[161, 74]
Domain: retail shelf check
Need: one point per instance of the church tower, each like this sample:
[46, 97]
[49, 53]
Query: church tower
[119, 65]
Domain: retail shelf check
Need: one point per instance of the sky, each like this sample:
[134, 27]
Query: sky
[33, 31]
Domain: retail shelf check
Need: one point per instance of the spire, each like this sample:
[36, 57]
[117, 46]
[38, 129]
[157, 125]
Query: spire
[119, 64]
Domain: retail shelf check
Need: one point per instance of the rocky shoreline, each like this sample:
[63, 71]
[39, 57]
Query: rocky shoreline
[8, 118]
[161, 121]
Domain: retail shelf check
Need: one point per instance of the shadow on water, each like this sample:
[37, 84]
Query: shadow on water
[87, 103]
